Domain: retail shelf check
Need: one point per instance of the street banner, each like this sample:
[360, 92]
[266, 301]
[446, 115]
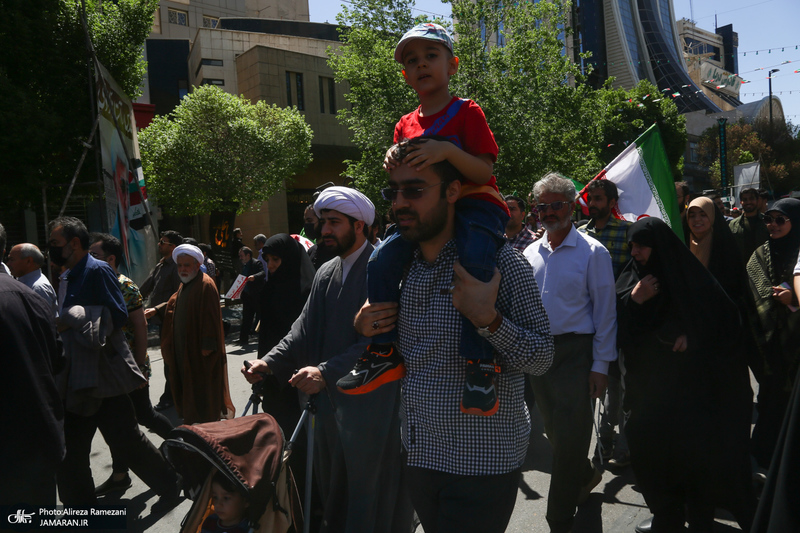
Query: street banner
[126, 197]
[235, 292]
[644, 181]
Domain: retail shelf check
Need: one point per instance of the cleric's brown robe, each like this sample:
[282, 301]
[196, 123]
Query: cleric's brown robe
[199, 382]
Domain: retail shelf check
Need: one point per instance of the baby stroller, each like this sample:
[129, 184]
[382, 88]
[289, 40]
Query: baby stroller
[252, 453]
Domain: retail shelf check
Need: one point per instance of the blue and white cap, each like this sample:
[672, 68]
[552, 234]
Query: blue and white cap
[426, 30]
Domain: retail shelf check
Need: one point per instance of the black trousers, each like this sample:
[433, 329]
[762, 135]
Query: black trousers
[147, 416]
[452, 503]
[118, 422]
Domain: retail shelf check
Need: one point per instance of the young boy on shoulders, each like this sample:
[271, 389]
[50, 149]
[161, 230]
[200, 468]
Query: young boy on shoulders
[455, 130]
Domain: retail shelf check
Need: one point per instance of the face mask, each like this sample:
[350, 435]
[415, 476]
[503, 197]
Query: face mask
[56, 255]
[310, 230]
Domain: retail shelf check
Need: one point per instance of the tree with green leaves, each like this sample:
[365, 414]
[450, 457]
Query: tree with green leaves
[627, 114]
[216, 150]
[44, 85]
[777, 153]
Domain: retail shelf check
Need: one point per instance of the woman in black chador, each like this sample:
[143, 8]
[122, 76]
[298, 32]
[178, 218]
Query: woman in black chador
[687, 385]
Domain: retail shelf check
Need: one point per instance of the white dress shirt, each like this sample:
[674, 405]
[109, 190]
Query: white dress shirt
[577, 285]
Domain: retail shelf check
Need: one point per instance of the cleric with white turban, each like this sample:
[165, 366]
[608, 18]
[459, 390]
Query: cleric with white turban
[347, 201]
[190, 250]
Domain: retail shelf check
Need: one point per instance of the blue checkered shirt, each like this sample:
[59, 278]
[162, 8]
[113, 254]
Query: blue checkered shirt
[436, 434]
[614, 236]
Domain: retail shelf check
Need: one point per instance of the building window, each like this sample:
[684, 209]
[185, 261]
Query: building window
[212, 81]
[327, 95]
[176, 16]
[210, 22]
[693, 157]
[207, 63]
[294, 90]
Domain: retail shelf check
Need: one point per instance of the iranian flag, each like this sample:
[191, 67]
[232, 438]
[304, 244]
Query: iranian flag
[644, 181]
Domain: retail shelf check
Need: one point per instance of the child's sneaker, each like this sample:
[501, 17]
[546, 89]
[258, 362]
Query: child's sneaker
[480, 394]
[378, 365]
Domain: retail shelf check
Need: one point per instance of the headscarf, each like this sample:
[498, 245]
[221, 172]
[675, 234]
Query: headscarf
[784, 250]
[689, 295]
[286, 290]
[190, 250]
[348, 201]
[701, 246]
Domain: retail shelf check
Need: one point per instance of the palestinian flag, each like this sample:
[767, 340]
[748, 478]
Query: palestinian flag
[644, 181]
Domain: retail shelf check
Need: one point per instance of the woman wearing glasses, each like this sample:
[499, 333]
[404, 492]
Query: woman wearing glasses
[771, 270]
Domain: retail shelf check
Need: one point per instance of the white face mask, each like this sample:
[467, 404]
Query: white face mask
[187, 278]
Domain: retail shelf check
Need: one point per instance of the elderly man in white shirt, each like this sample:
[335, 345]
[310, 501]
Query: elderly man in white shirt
[576, 279]
[25, 262]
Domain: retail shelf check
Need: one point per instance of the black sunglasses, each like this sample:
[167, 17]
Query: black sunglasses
[779, 220]
[390, 194]
[555, 206]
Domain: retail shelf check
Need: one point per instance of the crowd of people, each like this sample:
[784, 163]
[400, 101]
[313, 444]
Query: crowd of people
[425, 351]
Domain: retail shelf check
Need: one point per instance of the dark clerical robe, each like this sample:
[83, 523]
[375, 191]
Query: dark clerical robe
[193, 323]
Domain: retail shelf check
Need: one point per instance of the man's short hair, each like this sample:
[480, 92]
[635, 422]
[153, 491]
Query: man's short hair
[260, 238]
[172, 236]
[609, 188]
[190, 240]
[236, 230]
[520, 202]
[246, 251]
[27, 249]
[110, 246]
[748, 190]
[205, 248]
[3, 239]
[763, 194]
[683, 186]
[555, 183]
[443, 169]
[71, 227]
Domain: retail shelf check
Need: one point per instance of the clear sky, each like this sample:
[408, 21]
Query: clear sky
[762, 25]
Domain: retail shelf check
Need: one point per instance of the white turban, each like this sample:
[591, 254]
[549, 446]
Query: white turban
[348, 201]
[190, 250]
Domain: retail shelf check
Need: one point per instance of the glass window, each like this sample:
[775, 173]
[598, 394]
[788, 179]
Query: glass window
[294, 90]
[213, 81]
[210, 22]
[327, 95]
[178, 17]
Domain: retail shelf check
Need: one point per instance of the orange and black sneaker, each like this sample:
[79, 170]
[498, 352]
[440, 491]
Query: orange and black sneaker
[480, 394]
[378, 365]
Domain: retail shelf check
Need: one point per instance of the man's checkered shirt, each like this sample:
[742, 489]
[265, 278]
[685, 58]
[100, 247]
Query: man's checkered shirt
[523, 239]
[436, 434]
[614, 236]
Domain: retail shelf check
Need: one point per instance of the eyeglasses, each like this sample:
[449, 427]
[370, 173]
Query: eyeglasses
[555, 206]
[779, 220]
[390, 194]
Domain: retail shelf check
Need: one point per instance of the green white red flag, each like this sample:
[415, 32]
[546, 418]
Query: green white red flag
[644, 182]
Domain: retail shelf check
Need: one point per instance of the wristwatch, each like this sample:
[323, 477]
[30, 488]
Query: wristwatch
[488, 331]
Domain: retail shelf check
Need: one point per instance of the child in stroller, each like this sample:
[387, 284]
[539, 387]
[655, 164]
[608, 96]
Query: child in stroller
[250, 456]
[230, 505]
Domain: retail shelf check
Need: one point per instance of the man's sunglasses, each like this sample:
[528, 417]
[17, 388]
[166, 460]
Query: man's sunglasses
[779, 220]
[390, 195]
[555, 206]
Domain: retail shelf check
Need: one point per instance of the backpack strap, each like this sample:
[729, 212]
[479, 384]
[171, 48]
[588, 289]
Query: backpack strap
[440, 123]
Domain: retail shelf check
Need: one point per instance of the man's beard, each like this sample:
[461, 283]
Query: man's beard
[339, 247]
[424, 230]
[596, 212]
[750, 208]
[556, 225]
[186, 278]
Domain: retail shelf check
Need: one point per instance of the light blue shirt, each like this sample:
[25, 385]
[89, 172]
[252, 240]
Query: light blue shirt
[577, 285]
[39, 283]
